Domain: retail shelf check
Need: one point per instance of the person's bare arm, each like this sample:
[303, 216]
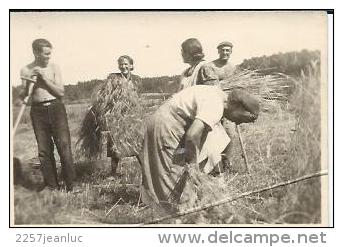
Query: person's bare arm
[27, 82]
[193, 140]
[55, 87]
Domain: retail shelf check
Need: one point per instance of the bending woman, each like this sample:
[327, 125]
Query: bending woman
[183, 123]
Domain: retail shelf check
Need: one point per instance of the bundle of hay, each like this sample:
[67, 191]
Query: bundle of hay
[269, 88]
[116, 107]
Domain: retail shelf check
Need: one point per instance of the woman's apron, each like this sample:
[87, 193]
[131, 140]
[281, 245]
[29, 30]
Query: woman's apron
[217, 139]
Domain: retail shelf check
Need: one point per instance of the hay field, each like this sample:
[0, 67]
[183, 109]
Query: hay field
[284, 143]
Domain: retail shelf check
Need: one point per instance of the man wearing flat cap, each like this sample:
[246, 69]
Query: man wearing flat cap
[220, 69]
[211, 74]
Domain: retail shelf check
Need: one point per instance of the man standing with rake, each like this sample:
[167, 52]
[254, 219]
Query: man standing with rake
[48, 115]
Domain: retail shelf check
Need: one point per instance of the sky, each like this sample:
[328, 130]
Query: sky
[86, 45]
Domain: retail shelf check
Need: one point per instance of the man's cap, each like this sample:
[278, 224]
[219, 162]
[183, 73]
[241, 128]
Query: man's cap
[225, 43]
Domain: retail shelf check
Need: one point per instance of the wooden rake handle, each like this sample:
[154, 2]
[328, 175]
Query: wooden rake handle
[22, 109]
[246, 162]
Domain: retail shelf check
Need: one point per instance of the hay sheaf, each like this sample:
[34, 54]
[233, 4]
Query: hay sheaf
[116, 107]
[270, 89]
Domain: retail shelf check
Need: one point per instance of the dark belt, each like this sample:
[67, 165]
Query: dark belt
[46, 103]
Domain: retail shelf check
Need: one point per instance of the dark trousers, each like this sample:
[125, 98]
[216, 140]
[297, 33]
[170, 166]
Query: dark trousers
[50, 125]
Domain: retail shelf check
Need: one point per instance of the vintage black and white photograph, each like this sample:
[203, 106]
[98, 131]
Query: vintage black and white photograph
[169, 118]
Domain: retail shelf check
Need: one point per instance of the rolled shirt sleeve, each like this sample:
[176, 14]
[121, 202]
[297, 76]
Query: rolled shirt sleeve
[207, 76]
[210, 109]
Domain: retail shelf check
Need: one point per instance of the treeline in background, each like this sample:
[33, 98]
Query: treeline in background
[290, 63]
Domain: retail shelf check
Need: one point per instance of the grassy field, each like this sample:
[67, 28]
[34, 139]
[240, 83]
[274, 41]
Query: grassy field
[284, 143]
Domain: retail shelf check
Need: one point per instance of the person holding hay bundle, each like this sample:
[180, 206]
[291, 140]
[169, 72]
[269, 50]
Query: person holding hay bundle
[181, 126]
[114, 100]
[125, 65]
